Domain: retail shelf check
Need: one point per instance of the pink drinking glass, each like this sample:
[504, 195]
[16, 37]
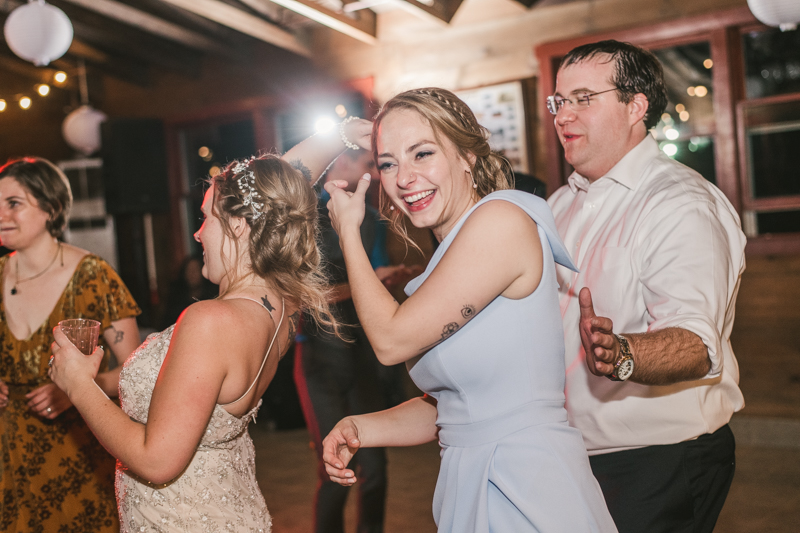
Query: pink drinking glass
[82, 332]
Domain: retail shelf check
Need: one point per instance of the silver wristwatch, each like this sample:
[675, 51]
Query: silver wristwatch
[623, 367]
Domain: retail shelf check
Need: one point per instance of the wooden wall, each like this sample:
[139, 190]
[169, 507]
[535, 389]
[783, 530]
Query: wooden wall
[487, 42]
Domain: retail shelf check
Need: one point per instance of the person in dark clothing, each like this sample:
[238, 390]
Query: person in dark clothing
[336, 378]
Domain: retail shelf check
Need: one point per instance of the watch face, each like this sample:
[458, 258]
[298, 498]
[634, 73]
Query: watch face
[625, 369]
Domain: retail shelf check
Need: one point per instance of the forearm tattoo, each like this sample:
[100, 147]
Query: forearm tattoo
[300, 167]
[118, 335]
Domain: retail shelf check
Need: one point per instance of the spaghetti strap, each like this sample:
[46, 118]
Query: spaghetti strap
[269, 349]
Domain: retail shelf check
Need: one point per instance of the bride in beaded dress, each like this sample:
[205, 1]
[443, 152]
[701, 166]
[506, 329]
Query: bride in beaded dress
[185, 461]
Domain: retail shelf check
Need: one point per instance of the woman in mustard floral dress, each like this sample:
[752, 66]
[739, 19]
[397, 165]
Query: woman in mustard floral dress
[54, 475]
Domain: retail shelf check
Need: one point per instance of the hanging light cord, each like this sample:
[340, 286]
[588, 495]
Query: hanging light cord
[14, 289]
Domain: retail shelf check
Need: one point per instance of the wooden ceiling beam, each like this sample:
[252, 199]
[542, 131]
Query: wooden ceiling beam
[149, 23]
[243, 22]
[440, 9]
[121, 40]
[164, 54]
[361, 25]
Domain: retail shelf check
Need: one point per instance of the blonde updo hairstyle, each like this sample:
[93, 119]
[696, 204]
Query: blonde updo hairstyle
[450, 117]
[283, 244]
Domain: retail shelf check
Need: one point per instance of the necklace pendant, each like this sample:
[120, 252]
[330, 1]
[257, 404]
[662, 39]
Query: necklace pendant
[14, 290]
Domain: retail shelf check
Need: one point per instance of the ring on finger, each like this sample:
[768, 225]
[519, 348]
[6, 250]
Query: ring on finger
[49, 410]
[50, 362]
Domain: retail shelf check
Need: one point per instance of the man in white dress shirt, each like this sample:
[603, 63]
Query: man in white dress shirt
[651, 378]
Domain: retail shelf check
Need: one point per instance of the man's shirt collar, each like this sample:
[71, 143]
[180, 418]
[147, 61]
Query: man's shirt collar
[628, 170]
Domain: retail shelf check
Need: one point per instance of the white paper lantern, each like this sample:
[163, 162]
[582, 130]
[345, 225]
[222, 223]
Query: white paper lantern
[784, 14]
[81, 129]
[38, 32]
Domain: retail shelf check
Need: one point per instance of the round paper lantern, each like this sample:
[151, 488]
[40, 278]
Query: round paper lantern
[81, 129]
[784, 14]
[38, 32]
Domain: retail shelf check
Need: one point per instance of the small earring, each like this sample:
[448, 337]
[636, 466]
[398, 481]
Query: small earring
[391, 207]
[474, 185]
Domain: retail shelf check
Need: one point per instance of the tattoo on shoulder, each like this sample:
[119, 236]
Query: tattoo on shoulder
[265, 302]
[118, 335]
[468, 311]
[300, 167]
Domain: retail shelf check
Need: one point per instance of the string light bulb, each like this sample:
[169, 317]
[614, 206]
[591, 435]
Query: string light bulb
[43, 89]
[60, 76]
[2, 105]
[24, 102]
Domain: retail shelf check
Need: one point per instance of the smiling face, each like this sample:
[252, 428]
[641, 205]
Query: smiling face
[596, 137]
[423, 177]
[22, 222]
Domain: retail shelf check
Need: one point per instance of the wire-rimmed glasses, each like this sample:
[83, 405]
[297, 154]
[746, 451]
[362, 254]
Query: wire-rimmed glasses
[581, 101]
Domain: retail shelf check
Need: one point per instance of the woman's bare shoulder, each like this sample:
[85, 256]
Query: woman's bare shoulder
[501, 223]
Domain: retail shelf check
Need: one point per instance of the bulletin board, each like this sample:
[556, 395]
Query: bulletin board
[500, 109]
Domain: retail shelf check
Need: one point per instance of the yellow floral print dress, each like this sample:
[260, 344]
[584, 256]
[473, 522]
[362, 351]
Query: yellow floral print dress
[54, 475]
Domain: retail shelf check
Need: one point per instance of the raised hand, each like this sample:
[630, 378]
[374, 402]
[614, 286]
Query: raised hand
[359, 131]
[347, 209]
[338, 448]
[599, 342]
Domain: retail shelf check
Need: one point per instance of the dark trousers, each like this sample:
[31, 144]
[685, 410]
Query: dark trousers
[335, 379]
[676, 488]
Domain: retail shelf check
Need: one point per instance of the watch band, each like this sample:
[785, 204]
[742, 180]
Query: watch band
[623, 367]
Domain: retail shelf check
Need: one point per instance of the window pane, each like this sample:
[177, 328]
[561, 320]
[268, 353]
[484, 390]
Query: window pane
[687, 127]
[772, 62]
[779, 222]
[773, 138]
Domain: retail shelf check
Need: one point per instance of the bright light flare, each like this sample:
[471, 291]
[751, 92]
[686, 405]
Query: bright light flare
[324, 124]
[341, 111]
[24, 102]
[700, 91]
[43, 89]
[670, 149]
[2, 105]
[60, 77]
[672, 134]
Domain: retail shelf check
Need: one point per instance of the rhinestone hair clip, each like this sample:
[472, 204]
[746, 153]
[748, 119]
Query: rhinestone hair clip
[247, 182]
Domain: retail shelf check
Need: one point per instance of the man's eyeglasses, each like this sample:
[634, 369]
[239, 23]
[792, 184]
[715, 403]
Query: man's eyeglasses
[580, 101]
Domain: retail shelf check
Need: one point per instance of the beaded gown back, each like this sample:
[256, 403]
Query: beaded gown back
[217, 492]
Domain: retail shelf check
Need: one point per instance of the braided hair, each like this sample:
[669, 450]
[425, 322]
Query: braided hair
[451, 117]
[281, 209]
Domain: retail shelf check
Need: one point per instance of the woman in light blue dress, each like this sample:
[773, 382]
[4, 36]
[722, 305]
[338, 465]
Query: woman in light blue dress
[481, 331]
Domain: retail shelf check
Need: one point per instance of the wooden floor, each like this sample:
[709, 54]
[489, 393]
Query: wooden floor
[764, 498]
